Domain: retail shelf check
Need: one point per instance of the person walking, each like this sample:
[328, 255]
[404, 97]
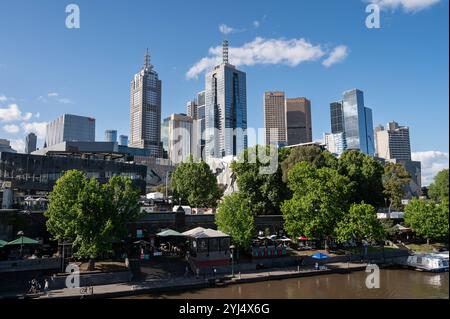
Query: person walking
[46, 287]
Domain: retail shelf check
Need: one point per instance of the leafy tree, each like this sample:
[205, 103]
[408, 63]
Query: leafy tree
[427, 219]
[195, 184]
[90, 215]
[234, 217]
[365, 173]
[439, 189]
[265, 190]
[360, 223]
[395, 179]
[310, 154]
[320, 197]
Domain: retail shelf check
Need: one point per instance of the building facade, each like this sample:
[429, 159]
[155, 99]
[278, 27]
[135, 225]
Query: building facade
[70, 127]
[298, 121]
[111, 136]
[30, 143]
[123, 140]
[225, 110]
[353, 118]
[145, 109]
[275, 118]
[178, 128]
[335, 143]
[393, 142]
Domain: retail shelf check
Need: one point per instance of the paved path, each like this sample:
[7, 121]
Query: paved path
[178, 283]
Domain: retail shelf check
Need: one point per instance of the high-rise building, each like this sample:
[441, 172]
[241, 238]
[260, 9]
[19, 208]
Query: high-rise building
[123, 140]
[196, 110]
[335, 143]
[298, 121]
[5, 146]
[68, 127]
[177, 131]
[111, 136]
[30, 143]
[225, 109]
[394, 142]
[355, 120]
[145, 109]
[275, 118]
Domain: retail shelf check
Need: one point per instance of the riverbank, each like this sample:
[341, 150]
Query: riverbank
[189, 283]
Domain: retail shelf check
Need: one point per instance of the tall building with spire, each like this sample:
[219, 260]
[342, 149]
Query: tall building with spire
[145, 109]
[225, 109]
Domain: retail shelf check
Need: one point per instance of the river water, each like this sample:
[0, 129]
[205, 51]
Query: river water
[393, 284]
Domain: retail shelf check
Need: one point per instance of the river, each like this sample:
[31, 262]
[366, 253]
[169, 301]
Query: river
[401, 283]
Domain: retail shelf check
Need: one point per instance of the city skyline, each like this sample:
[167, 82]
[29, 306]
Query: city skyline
[64, 88]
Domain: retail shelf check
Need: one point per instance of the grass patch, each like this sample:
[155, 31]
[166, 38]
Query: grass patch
[424, 248]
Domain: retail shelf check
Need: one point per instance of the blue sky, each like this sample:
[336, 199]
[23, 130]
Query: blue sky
[402, 67]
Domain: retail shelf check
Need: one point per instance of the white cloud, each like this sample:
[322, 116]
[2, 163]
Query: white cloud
[224, 29]
[3, 98]
[432, 163]
[65, 101]
[36, 127]
[18, 145]
[37, 115]
[406, 5]
[256, 24]
[13, 113]
[289, 52]
[11, 128]
[53, 94]
[338, 54]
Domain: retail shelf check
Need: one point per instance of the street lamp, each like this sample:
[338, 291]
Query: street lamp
[21, 233]
[232, 260]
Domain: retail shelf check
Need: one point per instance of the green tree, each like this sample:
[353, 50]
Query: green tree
[234, 217]
[395, 179]
[366, 174]
[195, 184]
[320, 197]
[438, 190]
[90, 215]
[360, 223]
[259, 179]
[428, 219]
[310, 154]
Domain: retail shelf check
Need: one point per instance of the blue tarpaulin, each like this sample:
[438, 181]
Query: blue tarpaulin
[320, 256]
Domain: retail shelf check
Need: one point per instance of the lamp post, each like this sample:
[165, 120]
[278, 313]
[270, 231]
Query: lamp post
[232, 260]
[21, 233]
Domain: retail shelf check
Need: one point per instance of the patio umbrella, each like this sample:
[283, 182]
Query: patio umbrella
[320, 256]
[22, 240]
[169, 232]
[2, 243]
[142, 242]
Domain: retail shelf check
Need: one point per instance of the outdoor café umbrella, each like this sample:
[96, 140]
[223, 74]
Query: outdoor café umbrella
[2, 243]
[22, 240]
[169, 232]
[320, 256]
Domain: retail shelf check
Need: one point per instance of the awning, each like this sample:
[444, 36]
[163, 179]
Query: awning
[2, 243]
[23, 241]
[169, 232]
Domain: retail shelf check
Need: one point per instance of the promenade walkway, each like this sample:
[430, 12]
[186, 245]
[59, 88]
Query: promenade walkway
[191, 282]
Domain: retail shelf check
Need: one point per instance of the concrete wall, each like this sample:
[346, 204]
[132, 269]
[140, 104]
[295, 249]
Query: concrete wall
[93, 279]
[30, 264]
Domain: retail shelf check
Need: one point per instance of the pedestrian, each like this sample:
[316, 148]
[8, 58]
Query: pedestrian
[46, 287]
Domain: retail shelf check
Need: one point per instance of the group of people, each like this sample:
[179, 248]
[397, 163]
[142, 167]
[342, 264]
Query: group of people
[36, 287]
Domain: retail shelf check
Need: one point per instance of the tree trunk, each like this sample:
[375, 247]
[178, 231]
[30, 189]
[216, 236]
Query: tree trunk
[428, 241]
[91, 264]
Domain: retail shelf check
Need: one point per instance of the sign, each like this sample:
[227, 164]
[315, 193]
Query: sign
[6, 184]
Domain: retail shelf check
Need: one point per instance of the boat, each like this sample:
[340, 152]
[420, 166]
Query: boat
[434, 262]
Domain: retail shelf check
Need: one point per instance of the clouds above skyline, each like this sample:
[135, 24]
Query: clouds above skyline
[13, 113]
[290, 52]
[432, 163]
[55, 97]
[406, 5]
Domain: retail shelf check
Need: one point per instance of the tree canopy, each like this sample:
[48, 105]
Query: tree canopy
[439, 189]
[264, 188]
[360, 223]
[320, 197]
[395, 179]
[195, 184]
[91, 215]
[234, 217]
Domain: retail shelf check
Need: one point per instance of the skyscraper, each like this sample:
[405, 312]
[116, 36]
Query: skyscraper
[196, 110]
[275, 118]
[30, 143]
[394, 142]
[145, 109]
[355, 120]
[335, 143]
[111, 136]
[123, 140]
[70, 127]
[177, 130]
[298, 121]
[225, 109]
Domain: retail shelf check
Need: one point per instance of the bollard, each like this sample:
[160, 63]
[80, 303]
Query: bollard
[239, 275]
